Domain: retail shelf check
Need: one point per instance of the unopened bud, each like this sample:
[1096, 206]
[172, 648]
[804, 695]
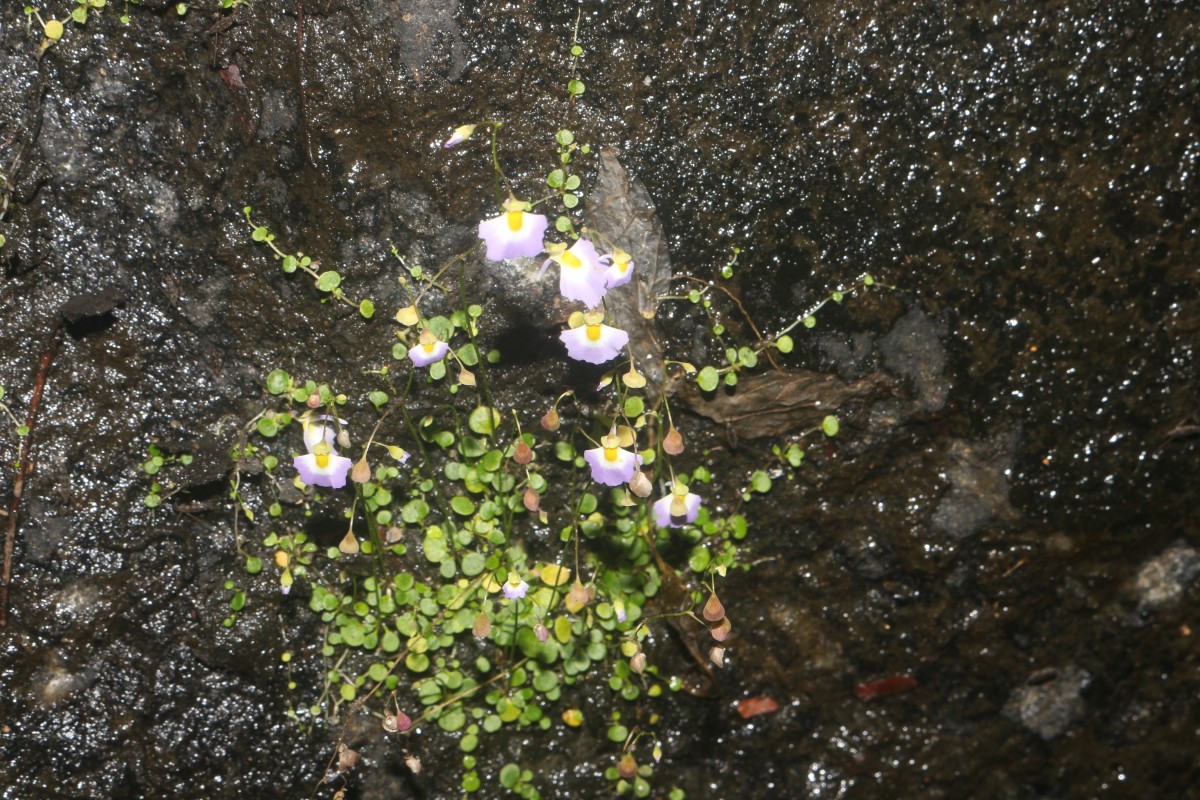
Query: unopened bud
[541, 632]
[313, 401]
[713, 610]
[717, 656]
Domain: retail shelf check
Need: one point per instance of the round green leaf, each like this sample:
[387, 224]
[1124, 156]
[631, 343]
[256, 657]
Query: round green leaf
[328, 281]
[708, 378]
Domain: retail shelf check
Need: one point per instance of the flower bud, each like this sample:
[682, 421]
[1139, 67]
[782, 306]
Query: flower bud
[640, 484]
[314, 400]
[713, 610]
[541, 632]
[717, 656]
[361, 472]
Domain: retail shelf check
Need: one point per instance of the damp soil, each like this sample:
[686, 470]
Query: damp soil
[984, 586]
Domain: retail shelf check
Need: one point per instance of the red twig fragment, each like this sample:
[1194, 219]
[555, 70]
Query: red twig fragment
[884, 687]
[14, 505]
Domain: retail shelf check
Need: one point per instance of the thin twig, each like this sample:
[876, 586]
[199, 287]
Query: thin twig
[23, 464]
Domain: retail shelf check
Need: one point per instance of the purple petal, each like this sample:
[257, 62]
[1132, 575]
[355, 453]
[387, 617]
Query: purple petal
[581, 347]
[611, 473]
[662, 511]
[423, 355]
[333, 474]
[504, 242]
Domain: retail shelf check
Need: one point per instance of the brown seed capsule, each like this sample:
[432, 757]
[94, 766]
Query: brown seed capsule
[717, 656]
[349, 544]
[713, 610]
[466, 377]
[640, 484]
[413, 763]
[550, 420]
[532, 500]
[721, 630]
[347, 758]
[394, 534]
[482, 626]
[523, 453]
[361, 472]
[673, 442]
[627, 767]
[637, 662]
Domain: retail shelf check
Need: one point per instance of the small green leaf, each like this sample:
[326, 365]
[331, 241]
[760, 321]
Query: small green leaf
[618, 733]
[564, 137]
[555, 178]
[810, 321]
[570, 200]
[708, 378]
[576, 88]
[748, 357]
[267, 427]
[760, 482]
[484, 420]
[462, 506]
[634, 406]
[830, 425]
[367, 309]
[328, 281]
[377, 398]
[510, 774]
[254, 565]
[785, 344]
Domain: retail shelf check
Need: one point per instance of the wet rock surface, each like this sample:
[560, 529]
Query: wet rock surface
[1023, 176]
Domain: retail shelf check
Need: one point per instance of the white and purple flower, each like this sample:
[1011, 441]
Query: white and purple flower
[429, 349]
[514, 587]
[679, 508]
[581, 272]
[323, 467]
[460, 135]
[619, 270]
[514, 234]
[593, 341]
[611, 465]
